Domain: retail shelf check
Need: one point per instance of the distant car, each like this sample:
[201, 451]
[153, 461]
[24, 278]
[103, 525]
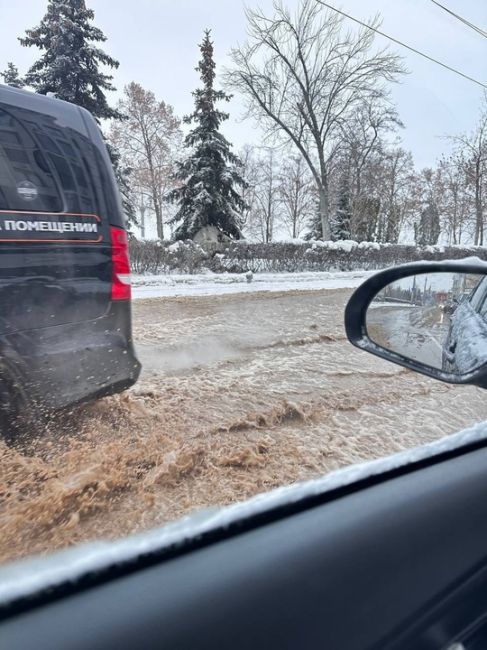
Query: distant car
[65, 322]
[465, 347]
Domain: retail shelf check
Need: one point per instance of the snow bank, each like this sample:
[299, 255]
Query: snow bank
[209, 284]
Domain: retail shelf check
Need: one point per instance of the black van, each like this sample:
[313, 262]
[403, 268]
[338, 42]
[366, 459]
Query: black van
[65, 323]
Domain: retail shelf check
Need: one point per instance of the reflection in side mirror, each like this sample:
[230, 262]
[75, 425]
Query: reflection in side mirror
[436, 319]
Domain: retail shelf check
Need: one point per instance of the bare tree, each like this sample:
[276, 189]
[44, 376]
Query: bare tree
[304, 76]
[427, 228]
[456, 205]
[266, 196]
[364, 140]
[363, 135]
[395, 187]
[261, 172]
[473, 148]
[297, 194]
[148, 140]
[250, 173]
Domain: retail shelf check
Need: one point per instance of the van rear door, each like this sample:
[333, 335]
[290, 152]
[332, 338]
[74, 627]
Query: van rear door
[55, 249]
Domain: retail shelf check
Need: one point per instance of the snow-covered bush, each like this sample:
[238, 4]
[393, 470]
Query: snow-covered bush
[292, 256]
[156, 257]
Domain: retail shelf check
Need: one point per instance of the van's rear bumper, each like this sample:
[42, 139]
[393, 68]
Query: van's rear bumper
[54, 367]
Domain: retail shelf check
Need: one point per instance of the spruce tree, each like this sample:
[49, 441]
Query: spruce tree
[428, 230]
[211, 172]
[314, 223]
[11, 76]
[122, 176]
[69, 67]
[343, 217]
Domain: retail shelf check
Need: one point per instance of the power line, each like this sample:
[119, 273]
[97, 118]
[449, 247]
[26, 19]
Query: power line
[408, 47]
[479, 30]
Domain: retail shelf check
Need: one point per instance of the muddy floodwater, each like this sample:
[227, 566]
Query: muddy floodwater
[239, 394]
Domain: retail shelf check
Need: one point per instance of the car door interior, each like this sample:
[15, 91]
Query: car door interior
[394, 561]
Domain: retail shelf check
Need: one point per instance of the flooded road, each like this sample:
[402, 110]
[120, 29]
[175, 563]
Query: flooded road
[239, 394]
[416, 332]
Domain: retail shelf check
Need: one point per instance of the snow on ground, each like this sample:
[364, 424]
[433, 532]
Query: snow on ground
[208, 284]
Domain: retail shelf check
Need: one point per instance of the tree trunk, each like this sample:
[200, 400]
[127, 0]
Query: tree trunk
[154, 189]
[479, 226]
[142, 221]
[324, 207]
[158, 212]
[455, 217]
[391, 234]
[295, 210]
[478, 219]
[270, 207]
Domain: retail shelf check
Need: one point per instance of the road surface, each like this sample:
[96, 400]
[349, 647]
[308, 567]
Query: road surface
[414, 331]
[239, 394]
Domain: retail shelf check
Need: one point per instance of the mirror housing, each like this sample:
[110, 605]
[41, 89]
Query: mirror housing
[357, 307]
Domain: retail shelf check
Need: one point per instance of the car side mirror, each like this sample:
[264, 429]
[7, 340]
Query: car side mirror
[429, 317]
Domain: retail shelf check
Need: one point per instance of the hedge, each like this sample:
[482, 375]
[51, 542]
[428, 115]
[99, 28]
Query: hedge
[151, 257]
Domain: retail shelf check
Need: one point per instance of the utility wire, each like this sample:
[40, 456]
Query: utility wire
[408, 47]
[479, 30]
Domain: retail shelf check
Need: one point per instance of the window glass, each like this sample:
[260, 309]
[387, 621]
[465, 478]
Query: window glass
[60, 147]
[26, 180]
[241, 282]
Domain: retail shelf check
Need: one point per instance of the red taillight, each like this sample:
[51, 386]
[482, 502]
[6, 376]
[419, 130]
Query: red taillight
[121, 289]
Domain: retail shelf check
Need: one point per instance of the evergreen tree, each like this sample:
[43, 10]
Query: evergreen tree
[428, 229]
[69, 67]
[11, 76]
[209, 175]
[365, 216]
[314, 223]
[122, 175]
[341, 226]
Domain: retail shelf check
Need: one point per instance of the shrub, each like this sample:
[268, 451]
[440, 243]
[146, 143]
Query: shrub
[149, 257]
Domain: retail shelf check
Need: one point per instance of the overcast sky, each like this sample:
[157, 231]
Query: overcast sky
[156, 44]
